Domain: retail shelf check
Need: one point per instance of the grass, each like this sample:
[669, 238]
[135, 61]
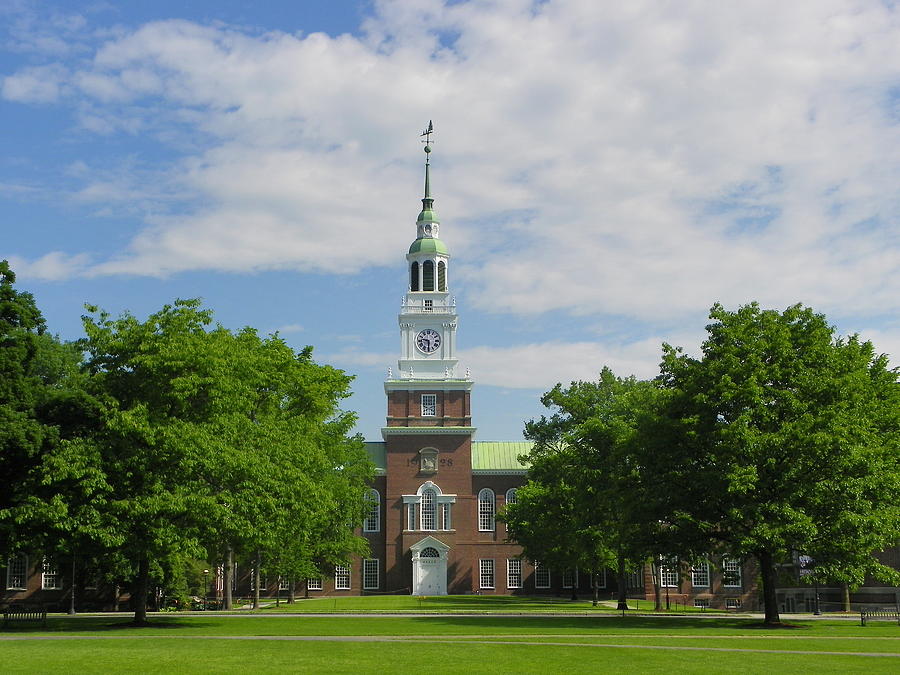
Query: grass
[458, 604]
[520, 641]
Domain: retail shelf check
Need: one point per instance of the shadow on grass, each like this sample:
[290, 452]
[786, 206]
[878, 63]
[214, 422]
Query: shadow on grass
[99, 624]
[670, 625]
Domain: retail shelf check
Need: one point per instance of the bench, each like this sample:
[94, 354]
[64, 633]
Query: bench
[879, 615]
[24, 613]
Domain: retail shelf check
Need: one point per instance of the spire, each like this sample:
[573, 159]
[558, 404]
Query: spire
[428, 215]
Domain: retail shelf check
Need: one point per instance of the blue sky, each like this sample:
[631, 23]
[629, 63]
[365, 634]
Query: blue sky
[604, 172]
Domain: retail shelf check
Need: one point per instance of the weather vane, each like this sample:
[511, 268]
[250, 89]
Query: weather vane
[427, 134]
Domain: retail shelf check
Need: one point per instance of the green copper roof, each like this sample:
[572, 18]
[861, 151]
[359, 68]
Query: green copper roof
[494, 456]
[377, 455]
[499, 455]
[428, 245]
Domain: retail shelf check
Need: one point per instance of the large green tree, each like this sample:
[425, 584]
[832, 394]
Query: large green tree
[583, 505]
[786, 440]
[209, 439]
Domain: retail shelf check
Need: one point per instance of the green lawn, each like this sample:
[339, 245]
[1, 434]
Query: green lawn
[458, 603]
[454, 643]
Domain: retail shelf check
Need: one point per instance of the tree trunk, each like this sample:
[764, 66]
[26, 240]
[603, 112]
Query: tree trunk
[306, 590]
[228, 578]
[141, 588]
[845, 598]
[291, 597]
[657, 591]
[256, 578]
[278, 592]
[596, 588]
[767, 571]
[622, 594]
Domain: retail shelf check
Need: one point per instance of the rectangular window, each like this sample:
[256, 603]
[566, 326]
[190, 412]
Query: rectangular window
[16, 572]
[668, 575]
[700, 574]
[314, 584]
[732, 603]
[636, 579]
[428, 306]
[541, 575]
[514, 573]
[702, 603]
[370, 574]
[263, 581]
[486, 577]
[284, 584]
[412, 516]
[570, 578]
[49, 576]
[445, 516]
[601, 579]
[342, 578]
[731, 573]
[429, 405]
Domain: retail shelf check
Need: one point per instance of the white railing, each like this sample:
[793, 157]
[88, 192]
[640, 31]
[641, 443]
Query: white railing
[419, 307]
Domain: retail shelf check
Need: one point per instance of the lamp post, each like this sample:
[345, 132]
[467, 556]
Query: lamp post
[205, 589]
[817, 611]
[667, 595]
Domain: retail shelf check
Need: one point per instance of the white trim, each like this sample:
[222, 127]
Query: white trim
[513, 571]
[732, 567]
[541, 569]
[13, 583]
[570, 578]
[367, 574]
[430, 431]
[372, 521]
[314, 584]
[701, 571]
[342, 572]
[487, 573]
[487, 510]
[50, 577]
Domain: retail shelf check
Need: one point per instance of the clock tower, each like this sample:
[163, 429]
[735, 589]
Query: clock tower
[428, 434]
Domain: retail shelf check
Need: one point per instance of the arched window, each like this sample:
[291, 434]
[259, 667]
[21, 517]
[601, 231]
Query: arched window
[511, 496]
[442, 276]
[429, 552]
[428, 509]
[372, 523]
[428, 275]
[486, 510]
[414, 277]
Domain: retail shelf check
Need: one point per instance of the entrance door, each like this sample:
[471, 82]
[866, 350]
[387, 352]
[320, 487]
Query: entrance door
[429, 573]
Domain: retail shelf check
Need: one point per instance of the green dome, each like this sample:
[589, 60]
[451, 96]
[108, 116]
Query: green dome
[428, 245]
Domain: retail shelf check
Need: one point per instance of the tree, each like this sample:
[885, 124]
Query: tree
[786, 439]
[583, 504]
[208, 437]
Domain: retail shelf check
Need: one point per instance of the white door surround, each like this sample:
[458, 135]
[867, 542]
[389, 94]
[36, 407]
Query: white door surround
[429, 559]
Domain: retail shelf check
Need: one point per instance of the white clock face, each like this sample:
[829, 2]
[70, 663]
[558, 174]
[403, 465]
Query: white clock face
[428, 340]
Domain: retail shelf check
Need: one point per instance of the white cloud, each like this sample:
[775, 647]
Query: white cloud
[37, 84]
[53, 266]
[290, 328]
[632, 159]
